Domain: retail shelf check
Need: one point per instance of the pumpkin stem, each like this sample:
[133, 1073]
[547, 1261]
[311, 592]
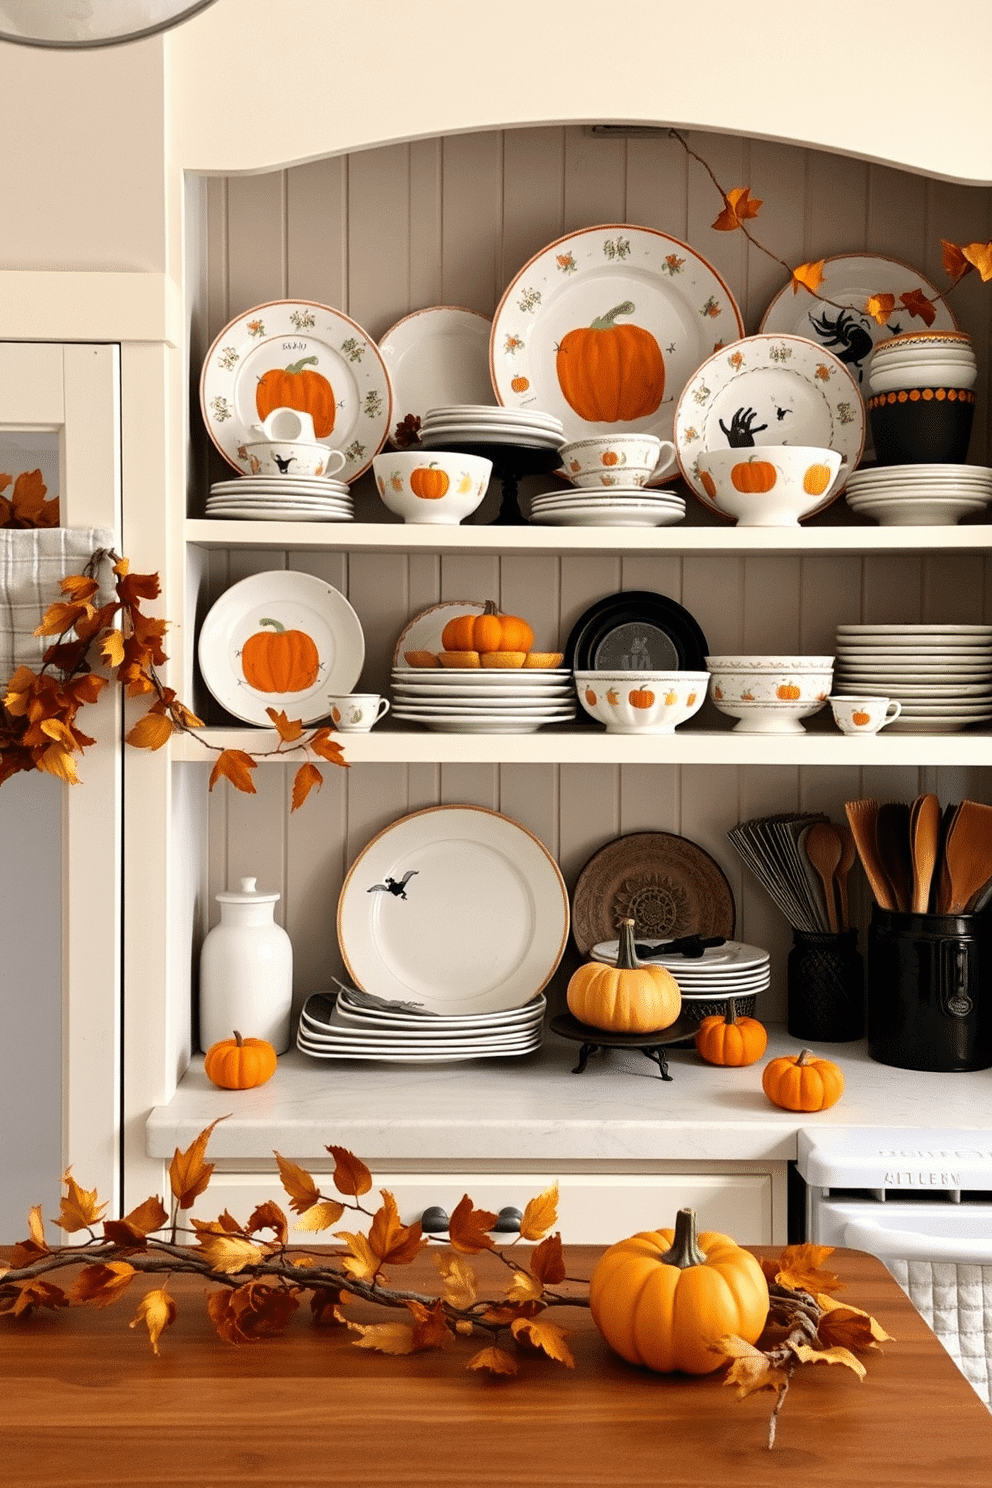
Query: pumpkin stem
[731, 1013]
[238, 1039]
[605, 322]
[684, 1250]
[274, 623]
[806, 1057]
[490, 607]
[303, 362]
[626, 955]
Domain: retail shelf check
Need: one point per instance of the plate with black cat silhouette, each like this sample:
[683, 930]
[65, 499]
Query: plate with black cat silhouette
[842, 326]
[766, 390]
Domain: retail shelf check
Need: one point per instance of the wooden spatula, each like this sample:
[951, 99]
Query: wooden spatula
[862, 817]
[924, 829]
[892, 837]
[968, 853]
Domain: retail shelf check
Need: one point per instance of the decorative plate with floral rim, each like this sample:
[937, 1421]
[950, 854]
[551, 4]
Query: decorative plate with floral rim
[605, 327]
[296, 354]
[850, 280]
[769, 390]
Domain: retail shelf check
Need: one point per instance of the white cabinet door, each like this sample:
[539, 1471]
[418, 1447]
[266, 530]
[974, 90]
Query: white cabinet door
[59, 405]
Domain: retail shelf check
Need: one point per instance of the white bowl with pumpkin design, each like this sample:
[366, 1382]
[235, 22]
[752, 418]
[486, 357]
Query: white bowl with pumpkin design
[771, 485]
[770, 694]
[431, 486]
[641, 702]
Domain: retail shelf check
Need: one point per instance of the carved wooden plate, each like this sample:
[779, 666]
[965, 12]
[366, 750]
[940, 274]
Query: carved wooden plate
[668, 885]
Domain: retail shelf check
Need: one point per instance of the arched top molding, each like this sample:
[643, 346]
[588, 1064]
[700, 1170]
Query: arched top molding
[252, 86]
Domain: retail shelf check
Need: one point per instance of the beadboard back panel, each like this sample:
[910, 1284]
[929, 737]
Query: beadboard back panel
[450, 221]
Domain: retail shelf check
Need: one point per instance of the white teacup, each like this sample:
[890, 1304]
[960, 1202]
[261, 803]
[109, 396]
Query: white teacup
[864, 715]
[617, 459]
[357, 712]
[286, 457]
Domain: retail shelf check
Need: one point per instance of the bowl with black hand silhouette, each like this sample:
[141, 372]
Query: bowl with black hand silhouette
[771, 485]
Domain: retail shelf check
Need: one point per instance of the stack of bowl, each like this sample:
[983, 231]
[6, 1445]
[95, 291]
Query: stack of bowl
[921, 398]
[770, 694]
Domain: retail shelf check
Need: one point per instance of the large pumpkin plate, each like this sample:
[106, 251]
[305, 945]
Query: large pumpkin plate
[668, 885]
[455, 908]
[280, 640]
[297, 354]
[605, 327]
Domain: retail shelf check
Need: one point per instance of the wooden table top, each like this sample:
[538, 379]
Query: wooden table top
[84, 1403]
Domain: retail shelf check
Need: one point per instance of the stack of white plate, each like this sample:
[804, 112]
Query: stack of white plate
[729, 970]
[474, 423]
[483, 700]
[941, 674]
[919, 495]
[353, 1025]
[620, 506]
[281, 498]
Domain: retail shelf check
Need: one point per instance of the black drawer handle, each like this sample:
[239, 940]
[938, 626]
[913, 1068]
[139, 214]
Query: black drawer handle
[434, 1221]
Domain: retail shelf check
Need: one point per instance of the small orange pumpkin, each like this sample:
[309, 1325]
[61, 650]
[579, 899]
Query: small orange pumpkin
[709, 484]
[489, 631]
[611, 458]
[641, 697]
[280, 660]
[861, 719]
[520, 384]
[627, 997]
[729, 1040]
[296, 386]
[788, 692]
[240, 1063]
[428, 482]
[611, 373]
[753, 475]
[816, 480]
[801, 1082]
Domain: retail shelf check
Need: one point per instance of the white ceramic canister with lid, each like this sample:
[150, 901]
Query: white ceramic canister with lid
[246, 971]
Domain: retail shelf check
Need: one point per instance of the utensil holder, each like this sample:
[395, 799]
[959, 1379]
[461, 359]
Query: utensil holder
[928, 1005]
[826, 988]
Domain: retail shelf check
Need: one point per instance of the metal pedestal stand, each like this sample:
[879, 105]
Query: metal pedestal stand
[652, 1045]
[511, 462]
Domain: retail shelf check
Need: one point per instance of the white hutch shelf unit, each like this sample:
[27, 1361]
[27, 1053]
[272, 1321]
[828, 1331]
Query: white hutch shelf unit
[390, 197]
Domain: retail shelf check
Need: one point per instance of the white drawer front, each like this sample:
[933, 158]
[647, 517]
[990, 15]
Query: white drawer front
[593, 1208]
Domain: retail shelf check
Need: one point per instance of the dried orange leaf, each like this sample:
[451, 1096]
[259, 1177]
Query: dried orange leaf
[738, 206]
[524, 1288]
[807, 1355]
[36, 1227]
[494, 1360]
[750, 1370]
[288, 729]
[306, 779]
[808, 276]
[32, 1294]
[385, 1338]
[468, 1227]
[391, 1240]
[151, 732]
[838, 1314]
[112, 648]
[460, 1285]
[188, 1173]
[980, 255]
[59, 618]
[917, 303]
[156, 1310]
[268, 1216]
[799, 1269]
[228, 1253]
[59, 762]
[303, 1192]
[540, 1214]
[103, 1284]
[880, 307]
[351, 1176]
[548, 1337]
[326, 748]
[77, 586]
[320, 1216]
[430, 1331]
[954, 263]
[80, 1208]
[547, 1262]
[236, 766]
[362, 1263]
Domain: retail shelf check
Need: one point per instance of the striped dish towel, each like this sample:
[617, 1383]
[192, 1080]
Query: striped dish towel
[32, 562]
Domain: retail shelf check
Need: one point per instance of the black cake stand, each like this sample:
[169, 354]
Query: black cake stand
[511, 462]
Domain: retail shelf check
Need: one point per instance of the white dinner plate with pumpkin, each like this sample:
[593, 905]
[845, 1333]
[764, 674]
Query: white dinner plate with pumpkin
[434, 356]
[302, 355]
[768, 390]
[456, 908]
[849, 280]
[280, 640]
[604, 328]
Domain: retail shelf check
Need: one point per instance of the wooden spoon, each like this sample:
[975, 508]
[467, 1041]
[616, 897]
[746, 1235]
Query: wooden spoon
[924, 846]
[968, 853]
[892, 838]
[847, 856]
[862, 816]
[943, 875]
[824, 848]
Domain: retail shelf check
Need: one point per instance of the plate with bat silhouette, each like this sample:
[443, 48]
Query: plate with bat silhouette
[297, 354]
[456, 908]
[849, 281]
[605, 327]
[769, 390]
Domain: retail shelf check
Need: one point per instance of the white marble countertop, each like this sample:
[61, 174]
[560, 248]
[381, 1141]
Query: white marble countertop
[535, 1109]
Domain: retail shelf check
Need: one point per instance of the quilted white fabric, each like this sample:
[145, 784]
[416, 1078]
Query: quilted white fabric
[956, 1301]
[32, 562]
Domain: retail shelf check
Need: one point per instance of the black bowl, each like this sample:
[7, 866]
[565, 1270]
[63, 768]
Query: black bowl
[922, 426]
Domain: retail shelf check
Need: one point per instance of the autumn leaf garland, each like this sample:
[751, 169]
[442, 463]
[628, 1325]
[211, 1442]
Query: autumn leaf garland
[39, 727]
[260, 1280]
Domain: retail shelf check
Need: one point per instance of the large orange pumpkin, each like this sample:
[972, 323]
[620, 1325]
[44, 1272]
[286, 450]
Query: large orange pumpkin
[611, 373]
[662, 1298]
[280, 660]
[489, 631]
[296, 386]
[753, 475]
[428, 482]
[627, 997]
